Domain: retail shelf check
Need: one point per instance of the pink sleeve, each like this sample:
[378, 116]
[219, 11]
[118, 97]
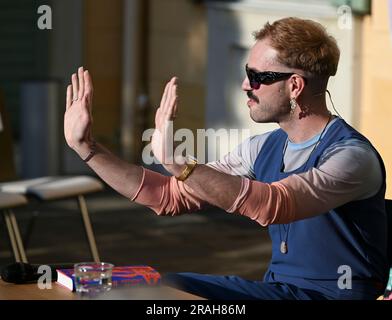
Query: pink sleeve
[350, 171]
[166, 195]
[296, 197]
[264, 203]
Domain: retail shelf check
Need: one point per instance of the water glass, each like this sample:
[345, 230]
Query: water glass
[93, 277]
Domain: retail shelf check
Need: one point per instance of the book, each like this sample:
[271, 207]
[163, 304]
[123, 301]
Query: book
[121, 276]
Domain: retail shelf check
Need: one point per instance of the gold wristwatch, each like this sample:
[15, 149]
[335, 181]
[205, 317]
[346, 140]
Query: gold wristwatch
[190, 165]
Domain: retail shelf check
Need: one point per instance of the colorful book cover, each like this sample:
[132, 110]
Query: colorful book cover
[125, 275]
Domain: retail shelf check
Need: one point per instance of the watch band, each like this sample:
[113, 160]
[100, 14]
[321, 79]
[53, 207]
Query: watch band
[92, 152]
[189, 167]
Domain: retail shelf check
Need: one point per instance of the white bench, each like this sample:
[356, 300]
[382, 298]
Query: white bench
[55, 188]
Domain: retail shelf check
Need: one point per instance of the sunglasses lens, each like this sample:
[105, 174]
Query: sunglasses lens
[254, 84]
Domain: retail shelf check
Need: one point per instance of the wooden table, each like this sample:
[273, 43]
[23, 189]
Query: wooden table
[10, 291]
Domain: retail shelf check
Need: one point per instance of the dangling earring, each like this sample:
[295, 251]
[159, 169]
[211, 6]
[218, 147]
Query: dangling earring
[293, 105]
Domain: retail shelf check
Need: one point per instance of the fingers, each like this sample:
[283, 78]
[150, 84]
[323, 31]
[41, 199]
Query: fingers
[68, 100]
[81, 83]
[88, 86]
[74, 80]
[169, 106]
[175, 108]
[173, 99]
[81, 87]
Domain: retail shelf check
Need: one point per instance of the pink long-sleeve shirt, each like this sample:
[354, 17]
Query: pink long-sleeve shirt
[347, 171]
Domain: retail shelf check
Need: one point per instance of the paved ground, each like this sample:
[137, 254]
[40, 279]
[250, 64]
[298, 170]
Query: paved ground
[208, 242]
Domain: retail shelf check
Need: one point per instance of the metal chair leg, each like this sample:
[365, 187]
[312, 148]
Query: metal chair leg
[18, 237]
[14, 236]
[88, 228]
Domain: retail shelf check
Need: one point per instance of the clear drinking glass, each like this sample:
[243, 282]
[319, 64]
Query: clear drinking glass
[93, 277]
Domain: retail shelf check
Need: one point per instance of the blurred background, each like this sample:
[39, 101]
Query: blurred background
[132, 48]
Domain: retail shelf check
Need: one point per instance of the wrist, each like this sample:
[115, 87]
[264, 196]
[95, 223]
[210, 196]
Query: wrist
[86, 150]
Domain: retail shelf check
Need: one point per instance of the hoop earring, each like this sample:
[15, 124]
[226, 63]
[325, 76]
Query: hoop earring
[293, 105]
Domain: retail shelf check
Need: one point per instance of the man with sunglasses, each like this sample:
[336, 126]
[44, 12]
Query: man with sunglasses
[316, 183]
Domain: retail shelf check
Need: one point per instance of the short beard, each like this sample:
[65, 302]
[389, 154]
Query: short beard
[268, 114]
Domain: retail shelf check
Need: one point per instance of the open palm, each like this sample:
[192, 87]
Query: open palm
[77, 118]
[162, 139]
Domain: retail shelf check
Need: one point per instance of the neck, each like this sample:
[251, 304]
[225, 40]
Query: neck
[300, 129]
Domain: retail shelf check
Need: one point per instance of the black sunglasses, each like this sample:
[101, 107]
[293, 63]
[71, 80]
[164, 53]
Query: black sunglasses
[267, 77]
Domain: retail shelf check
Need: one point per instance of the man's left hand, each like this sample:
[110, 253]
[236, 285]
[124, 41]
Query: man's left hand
[162, 139]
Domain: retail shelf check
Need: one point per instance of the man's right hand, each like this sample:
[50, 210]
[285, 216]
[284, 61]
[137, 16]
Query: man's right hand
[123, 177]
[78, 119]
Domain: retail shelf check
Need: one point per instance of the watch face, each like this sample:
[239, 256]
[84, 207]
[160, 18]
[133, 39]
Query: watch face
[187, 171]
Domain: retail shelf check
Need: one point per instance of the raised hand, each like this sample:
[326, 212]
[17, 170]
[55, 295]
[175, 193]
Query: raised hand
[77, 118]
[162, 139]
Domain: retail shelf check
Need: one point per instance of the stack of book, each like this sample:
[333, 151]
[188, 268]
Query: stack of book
[121, 276]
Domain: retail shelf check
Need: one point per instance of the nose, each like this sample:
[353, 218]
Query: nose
[246, 85]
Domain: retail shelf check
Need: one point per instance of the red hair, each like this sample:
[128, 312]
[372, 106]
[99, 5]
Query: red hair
[302, 44]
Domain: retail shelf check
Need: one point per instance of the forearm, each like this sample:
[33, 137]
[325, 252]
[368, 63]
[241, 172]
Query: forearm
[123, 177]
[214, 187]
[279, 202]
[205, 186]
[166, 195]
[262, 202]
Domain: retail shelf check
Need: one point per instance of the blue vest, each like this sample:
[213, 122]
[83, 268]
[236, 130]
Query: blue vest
[354, 234]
